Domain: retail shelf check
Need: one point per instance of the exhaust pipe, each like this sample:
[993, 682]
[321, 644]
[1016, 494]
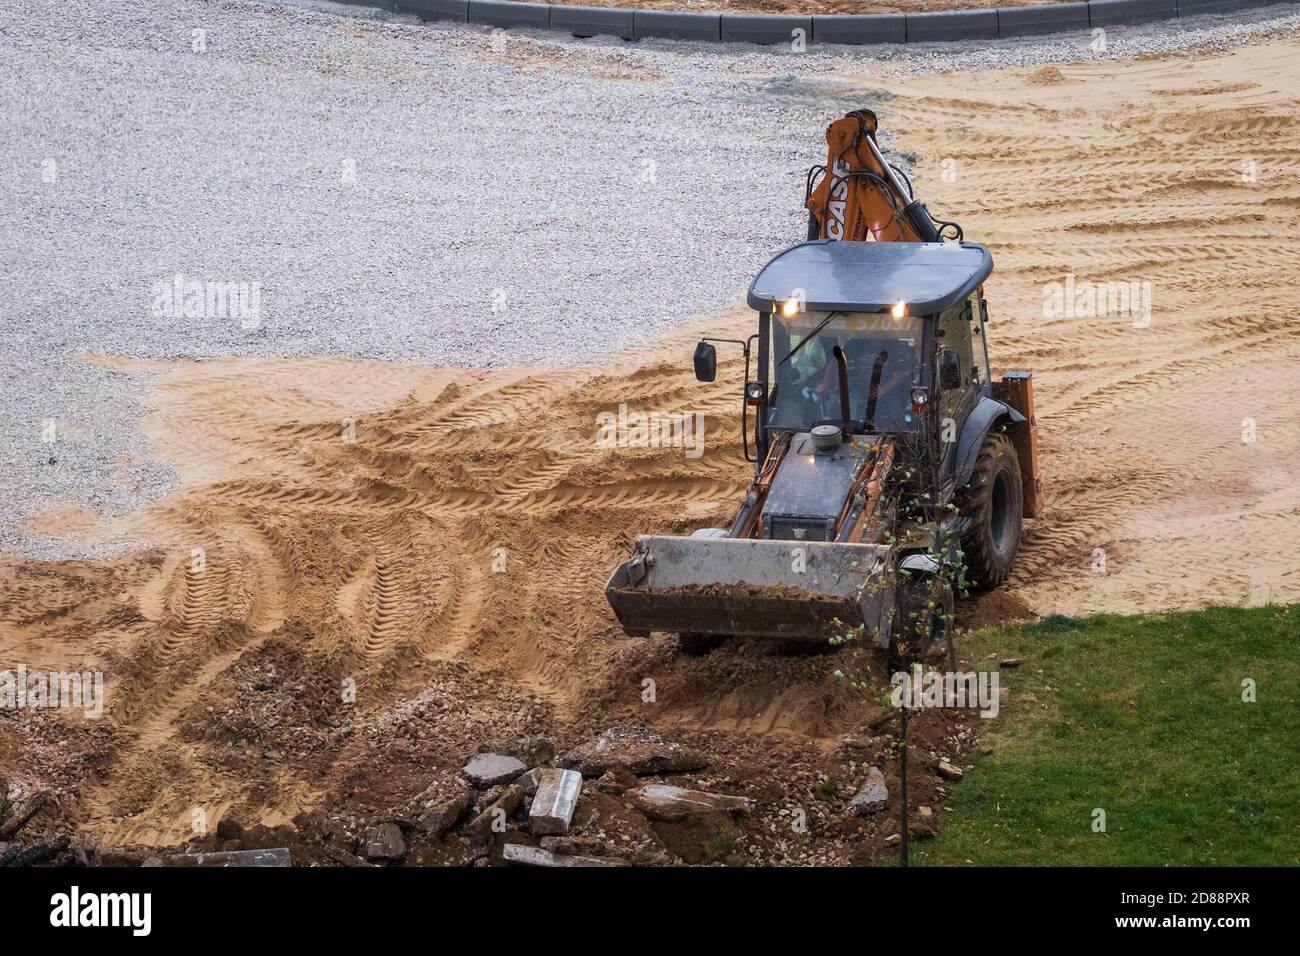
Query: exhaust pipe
[842, 366]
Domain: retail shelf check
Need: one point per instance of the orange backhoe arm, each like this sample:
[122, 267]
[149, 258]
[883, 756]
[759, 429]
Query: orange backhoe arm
[860, 197]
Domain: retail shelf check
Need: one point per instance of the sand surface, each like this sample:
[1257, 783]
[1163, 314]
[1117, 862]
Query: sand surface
[442, 536]
[1177, 171]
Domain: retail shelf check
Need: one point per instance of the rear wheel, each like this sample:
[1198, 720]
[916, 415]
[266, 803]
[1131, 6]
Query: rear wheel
[992, 501]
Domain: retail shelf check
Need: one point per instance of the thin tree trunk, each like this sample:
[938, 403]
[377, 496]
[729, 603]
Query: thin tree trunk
[902, 786]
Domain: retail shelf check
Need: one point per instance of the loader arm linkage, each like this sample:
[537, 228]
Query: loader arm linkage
[859, 196]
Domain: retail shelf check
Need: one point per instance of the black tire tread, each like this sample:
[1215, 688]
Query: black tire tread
[983, 569]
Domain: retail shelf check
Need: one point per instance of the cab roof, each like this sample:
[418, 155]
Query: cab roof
[830, 275]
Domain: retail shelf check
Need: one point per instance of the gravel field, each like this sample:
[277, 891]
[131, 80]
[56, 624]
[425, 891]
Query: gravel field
[386, 189]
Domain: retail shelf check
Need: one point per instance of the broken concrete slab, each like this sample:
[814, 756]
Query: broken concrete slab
[534, 856]
[668, 804]
[636, 749]
[555, 801]
[488, 770]
[18, 854]
[275, 857]
[497, 812]
[22, 815]
[383, 842]
[439, 806]
[872, 795]
[441, 816]
[530, 780]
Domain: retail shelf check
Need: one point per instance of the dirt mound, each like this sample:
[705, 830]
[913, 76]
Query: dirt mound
[410, 582]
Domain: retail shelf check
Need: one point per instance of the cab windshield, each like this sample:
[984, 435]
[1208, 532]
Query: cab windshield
[884, 360]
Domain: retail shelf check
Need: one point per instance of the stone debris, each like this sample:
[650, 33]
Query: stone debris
[436, 821]
[635, 749]
[948, 771]
[535, 856]
[383, 842]
[533, 751]
[438, 809]
[502, 808]
[670, 804]
[228, 828]
[923, 824]
[872, 796]
[29, 854]
[485, 798]
[556, 798]
[21, 815]
[344, 858]
[571, 845]
[615, 781]
[488, 770]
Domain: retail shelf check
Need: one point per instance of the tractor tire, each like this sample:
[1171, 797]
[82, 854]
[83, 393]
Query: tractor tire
[993, 502]
[697, 645]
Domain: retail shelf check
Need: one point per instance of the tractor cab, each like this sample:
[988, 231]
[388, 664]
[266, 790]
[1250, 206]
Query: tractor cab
[869, 337]
[882, 364]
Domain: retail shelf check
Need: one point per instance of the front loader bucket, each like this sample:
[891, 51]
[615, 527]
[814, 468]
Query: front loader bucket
[753, 587]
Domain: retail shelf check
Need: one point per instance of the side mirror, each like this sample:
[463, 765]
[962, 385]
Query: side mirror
[949, 370]
[706, 362]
